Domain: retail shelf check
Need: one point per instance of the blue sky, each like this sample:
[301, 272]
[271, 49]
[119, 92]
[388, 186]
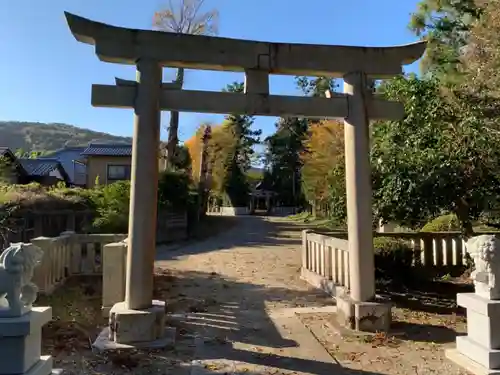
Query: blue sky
[48, 74]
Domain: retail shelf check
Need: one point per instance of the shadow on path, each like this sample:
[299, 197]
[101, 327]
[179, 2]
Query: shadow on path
[265, 361]
[227, 313]
[250, 231]
[229, 310]
[241, 310]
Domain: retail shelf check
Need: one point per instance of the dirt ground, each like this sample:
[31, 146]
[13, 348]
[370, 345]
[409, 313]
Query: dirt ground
[415, 344]
[235, 301]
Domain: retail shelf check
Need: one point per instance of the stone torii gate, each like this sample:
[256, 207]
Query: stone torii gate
[150, 51]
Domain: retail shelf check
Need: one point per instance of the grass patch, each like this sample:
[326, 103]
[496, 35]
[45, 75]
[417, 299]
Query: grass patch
[316, 222]
[301, 216]
[77, 320]
[76, 315]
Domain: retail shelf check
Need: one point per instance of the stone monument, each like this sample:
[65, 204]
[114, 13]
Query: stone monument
[479, 351]
[20, 322]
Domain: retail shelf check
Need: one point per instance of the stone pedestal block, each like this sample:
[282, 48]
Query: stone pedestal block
[21, 342]
[363, 316]
[129, 329]
[113, 275]
[479, 351]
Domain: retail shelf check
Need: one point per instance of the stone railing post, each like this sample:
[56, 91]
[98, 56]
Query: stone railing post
[43, 273]
[114, 257]
[68, 251]
[304, 248]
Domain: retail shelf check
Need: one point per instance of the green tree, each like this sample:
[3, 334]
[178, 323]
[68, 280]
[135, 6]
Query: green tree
[283, 160]
[437, 159]
[183, 17]
[20, 153]
[241, 126]
[6, 170]
[182, 159]
[446, 25]
[315, 86]
[481, 64]
[238, 157]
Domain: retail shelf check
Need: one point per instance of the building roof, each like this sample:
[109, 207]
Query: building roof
[66, 156]
[5, 151]
[108, 149]
[40, 167]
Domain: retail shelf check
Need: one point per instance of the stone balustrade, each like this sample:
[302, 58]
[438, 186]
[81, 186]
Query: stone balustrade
[325, 262]
[325, 257]
[228, 210]
[436, 249]
[70, 254]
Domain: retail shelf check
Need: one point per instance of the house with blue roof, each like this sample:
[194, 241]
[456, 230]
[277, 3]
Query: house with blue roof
[78, 166]
[72, 161]
[107, 163]
[46, 171]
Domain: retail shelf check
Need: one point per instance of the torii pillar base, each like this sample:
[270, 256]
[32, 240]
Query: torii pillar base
[363, 316]
[133, 329]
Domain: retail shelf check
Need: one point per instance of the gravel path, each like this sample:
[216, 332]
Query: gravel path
[236, 293]
[240, 296]
[239, 307]
[257, 264]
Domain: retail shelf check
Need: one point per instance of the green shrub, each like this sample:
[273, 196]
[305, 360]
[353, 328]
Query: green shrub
[109, 202]
[175, 190]
[34, 196]
[236, 189]
[393, 257]
[444, 223]
[112, 206]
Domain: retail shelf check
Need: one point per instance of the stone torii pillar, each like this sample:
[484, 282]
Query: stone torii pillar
[358, 188]
[140, 319]
[144, 187]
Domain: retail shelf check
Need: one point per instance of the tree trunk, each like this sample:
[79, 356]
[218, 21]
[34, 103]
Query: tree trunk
[463, 216]
[173, 130]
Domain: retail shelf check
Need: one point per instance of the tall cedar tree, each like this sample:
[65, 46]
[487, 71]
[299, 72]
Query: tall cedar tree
[283, 162]
[239, 160]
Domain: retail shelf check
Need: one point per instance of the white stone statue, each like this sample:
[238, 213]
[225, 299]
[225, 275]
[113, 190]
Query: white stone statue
[17, 292]
[485, 251]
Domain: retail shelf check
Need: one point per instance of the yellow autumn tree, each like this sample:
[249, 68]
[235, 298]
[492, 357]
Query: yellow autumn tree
[323, 152]
[220, 146]
[194, 146]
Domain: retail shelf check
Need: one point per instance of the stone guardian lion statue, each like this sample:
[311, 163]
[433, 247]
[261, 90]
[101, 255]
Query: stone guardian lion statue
[17, 292]
[485, 251]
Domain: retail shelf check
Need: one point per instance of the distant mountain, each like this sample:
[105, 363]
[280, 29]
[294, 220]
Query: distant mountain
[34, 136]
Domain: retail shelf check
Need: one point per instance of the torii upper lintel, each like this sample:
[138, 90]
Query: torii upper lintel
[125, 46]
